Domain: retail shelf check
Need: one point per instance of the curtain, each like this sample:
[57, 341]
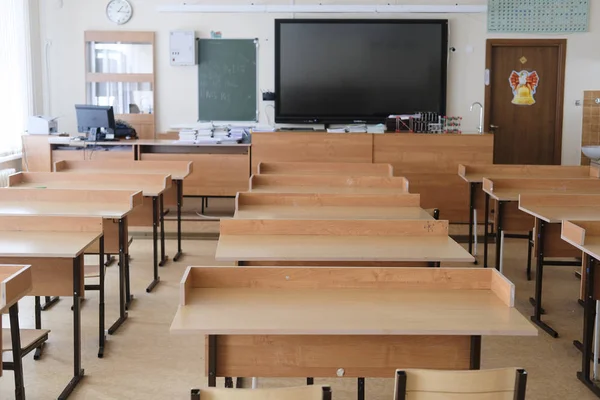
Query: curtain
[15, 76]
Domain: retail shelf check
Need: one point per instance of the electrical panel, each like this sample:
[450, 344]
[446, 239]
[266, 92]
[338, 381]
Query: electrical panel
[182, 48]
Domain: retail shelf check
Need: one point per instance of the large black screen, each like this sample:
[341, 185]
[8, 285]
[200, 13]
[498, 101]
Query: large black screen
[343, 71]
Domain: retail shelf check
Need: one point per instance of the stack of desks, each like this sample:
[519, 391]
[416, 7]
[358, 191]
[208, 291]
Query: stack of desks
[475, 174]
[327, 247]
[152, 186]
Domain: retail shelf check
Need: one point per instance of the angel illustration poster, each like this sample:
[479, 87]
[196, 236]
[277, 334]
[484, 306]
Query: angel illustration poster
[524, 86]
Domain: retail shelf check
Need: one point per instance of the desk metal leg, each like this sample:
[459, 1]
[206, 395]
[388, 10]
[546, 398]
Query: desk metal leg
[361, 388]
[126, 258]
[471, 215]
[531, 243]
[101, 332]
[155, 241]
[123, 278]
[15, 335]
[499, 235]
[475, 352]
[38, 325]
[486, 225]
[50, 301]
[589, 316]
[163, 256]
[536, 318]
[179, 186]
[78, 372]
[212, 361]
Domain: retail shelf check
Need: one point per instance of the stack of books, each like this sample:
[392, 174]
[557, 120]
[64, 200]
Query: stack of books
[187, 135]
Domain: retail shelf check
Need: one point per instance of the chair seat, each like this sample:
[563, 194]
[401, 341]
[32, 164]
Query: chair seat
[91, 271]
[28, 338]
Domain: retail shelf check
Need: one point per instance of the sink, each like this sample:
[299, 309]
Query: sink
[591, 152]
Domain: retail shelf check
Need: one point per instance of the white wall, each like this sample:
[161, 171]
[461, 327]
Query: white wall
[62, 23]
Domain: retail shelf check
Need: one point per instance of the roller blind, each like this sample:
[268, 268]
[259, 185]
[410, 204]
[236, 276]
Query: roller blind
[15, 76]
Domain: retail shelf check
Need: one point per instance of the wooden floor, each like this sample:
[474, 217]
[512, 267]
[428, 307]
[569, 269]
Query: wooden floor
[143, 361]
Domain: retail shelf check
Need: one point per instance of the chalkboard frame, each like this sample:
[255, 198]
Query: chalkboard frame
[246, 115]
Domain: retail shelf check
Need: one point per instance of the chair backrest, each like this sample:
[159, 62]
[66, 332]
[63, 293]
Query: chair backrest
[493, 384]
[296, 393]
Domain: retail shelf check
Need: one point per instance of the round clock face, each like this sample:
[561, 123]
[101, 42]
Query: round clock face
[119, 11]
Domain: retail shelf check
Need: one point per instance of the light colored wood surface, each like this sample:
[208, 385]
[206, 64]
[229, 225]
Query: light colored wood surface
[72, 203]
[330, 212]
[324, 355]
[85, 154]
[36, 153]
[513, 219]
[389, 201]
[325, 168]
[510, 189]
[554, 208]
[213, 175]
[418, 310]
[430, 163]
[15, 283]
[346, 228]
[45, 243]
[427, 384]
[585, 235]
[310, 147]
[476, 172]
[28, 337]
[312, 392]
[149, 184]
[328, 184]
[178, 170]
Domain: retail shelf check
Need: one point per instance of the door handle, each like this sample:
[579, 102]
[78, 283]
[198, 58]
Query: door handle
[494, 127]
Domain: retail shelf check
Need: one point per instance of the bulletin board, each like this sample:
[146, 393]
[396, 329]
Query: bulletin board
[538, 16]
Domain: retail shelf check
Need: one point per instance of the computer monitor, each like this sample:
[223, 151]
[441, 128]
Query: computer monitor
[95, 120]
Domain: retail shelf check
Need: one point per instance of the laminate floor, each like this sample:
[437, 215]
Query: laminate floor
[144, 361]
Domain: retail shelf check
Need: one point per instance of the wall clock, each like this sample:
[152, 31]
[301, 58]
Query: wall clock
[119, 11]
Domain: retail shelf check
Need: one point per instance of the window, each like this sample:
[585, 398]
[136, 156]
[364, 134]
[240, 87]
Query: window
[15, 89]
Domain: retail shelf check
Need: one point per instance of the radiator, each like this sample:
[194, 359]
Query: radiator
[4, 174]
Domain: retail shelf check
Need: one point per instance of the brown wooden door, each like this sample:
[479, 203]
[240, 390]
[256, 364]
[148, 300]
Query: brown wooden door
[524, 100]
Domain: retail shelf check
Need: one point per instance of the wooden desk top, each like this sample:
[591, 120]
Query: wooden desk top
[474, 173]
[339, 248]
[179, 170]
[68, 203]
[330, 212]
[48, 243]
[509, 189]
[337, 240]
[150, 184]
[554, 208]
[140, 142]
[244, 199]
[584, 235]
[390, 301]
[326, 168]
[15, 282]
[328, 184]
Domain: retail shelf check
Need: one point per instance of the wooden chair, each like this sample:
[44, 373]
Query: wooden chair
[296, 393]
[497, 384]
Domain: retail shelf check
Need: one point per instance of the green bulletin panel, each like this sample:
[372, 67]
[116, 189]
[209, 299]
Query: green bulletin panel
[538, 16]
[227, 79]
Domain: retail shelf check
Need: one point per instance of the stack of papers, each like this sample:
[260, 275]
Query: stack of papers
[263, 129]
[221, 131]
[380, 128]
[187, 135]
[356, 128]
[205, 133]
[336, 130]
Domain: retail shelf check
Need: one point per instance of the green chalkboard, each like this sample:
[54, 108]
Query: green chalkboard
[227, 79]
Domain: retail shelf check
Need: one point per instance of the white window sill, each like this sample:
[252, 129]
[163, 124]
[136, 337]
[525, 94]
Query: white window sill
[12, 157]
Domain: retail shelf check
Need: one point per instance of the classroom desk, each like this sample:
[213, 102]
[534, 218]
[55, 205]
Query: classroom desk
[54, 248]
[473, 174]
[549, 210]
[344, 322]
[328, 184]
[179, 171]
[109, 205]
[15, 283]
[585, 235]
[325, 168]
[252, 205]
[508, 216]
[151, 185]
[337, 242]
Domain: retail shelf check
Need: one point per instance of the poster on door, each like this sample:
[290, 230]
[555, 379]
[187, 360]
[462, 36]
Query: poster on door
[524, 86]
